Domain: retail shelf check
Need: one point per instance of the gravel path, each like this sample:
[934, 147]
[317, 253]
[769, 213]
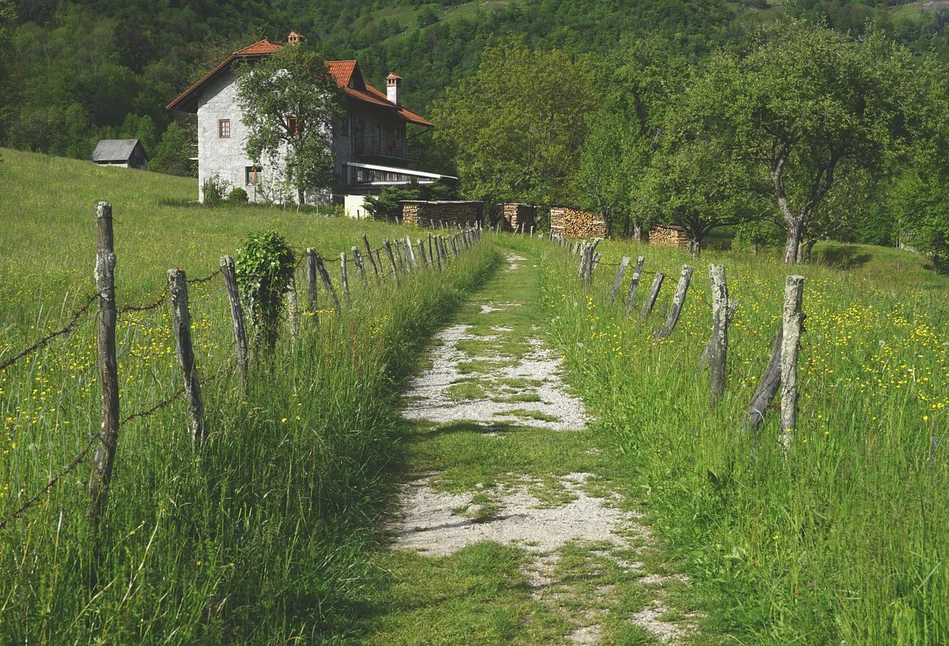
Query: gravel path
[436, 523]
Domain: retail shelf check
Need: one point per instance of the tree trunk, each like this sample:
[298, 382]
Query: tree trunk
[792, 248]
[695, 248]
[637, 232]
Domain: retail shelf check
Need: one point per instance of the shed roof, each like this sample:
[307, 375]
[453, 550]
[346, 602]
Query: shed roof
[115, 150]
[348, 77]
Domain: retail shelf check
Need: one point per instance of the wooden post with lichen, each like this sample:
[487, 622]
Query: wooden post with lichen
[718, 343]
[181, 323]
[793, 321]
[678, 301]
[237, 317]
[311, 279]
[634, 285]
[769, 384]
[421, 252]
[653, 294]
[623, 264]
[388, 247]
[108, 367]
[344, 274]
[411, 250]
[360, 266]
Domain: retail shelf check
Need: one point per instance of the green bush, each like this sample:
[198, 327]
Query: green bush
[215, 190]
[265, 266]
[237, 196]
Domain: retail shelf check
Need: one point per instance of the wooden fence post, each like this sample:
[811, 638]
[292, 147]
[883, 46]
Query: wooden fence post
[372, 261]
[344, 274]
[421, 250]
[438, 251]
[237, 317]
[327, 283]
[590, 263]
[431, 252]
[634, 285]
[793, 320]
[411, 250]
[292, 306]
[718, 344]
[378, 262]
[623, 264]
[311, 278]
[653, 294]
[360, 267]
[388, 248]
[181, 322]
[108, 367]
[678, 300]
[769, 384]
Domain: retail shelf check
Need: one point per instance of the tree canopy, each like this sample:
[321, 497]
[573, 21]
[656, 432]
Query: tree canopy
[289, 100]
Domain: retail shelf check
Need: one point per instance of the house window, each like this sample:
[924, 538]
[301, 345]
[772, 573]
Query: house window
[293, 127]
[224, 128]
[252, 175]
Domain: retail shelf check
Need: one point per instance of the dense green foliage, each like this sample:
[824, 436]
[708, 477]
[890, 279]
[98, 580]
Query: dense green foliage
[265, 268]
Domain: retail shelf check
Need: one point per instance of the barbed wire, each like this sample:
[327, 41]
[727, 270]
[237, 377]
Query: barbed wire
[73, 323]
[161, 300]
[208, 278]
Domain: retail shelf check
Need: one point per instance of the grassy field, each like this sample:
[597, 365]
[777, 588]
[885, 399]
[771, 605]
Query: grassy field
[262, 534]
[842, 540]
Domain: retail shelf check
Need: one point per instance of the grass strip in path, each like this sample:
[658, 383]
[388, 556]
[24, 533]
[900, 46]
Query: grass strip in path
[510, 528]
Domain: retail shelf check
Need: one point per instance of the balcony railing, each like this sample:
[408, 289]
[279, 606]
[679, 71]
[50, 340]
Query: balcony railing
[383, 146]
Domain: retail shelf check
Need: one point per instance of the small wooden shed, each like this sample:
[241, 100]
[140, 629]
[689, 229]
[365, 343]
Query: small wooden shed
[126, 153]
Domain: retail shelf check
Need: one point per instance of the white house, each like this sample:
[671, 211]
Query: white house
[369, 140]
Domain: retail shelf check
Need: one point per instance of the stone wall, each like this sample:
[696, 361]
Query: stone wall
[422, 213]
[660, 234]
[571, 222]
[514, 215]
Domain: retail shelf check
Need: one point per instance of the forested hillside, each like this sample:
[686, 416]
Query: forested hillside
[78, 71]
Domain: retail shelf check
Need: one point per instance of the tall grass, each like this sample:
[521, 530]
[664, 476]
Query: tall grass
[260, 535]
[842, 540]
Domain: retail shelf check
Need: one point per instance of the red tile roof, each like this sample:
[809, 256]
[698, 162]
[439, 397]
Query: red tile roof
[347, 74]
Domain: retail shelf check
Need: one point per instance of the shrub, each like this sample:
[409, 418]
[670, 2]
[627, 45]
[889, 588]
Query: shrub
[265, 266]
[215, 189]
[237, 196]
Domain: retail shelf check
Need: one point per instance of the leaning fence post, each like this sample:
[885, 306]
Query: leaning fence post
[411, 249]
[634, 285]
[327, 283]
[623, 264]
[590, 263]
[678, 300]
[718, 344]
[237, 316]
[431, 252]
[421, 252]
[769, 384]
[344, 275]
[181, 322]
[372, 260]
[311, 278]
[653, 294]
[360, 267]
[793, 320]
[388, 248]
[108, 370]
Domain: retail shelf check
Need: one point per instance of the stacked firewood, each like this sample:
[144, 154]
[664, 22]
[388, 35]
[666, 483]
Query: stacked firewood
[517, 216]
[441, 213]
[574, 223]
[661, 234]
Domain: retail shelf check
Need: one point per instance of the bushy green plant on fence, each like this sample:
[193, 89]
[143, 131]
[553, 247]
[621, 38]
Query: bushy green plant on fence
[842, 538]
[265, 266]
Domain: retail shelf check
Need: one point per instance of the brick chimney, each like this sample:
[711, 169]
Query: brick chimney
[293, 38]
[392, 88]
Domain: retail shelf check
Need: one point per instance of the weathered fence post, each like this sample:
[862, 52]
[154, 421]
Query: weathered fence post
[653, 294]
[397, 250]
[431, 252]
[634, 285]
[388, 248]
[311, 279]
[438, 252]
[769, 385]
[237, 316]
[718, 344]
[378, 262]
[108, 367]
[372, 261]
[292, 306]
[623, 264]
[360, 267]
[181, 322]
[411, 250]
[793, 320]
[327, 283]
[344, 274]
[678, 300]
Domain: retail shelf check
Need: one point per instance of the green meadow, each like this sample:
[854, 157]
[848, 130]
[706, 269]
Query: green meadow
[260, 535]
[843, 539]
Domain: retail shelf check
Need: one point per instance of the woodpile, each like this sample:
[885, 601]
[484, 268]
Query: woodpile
[436, 214]
[571, 222]
[514, 215]
[661, 234]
